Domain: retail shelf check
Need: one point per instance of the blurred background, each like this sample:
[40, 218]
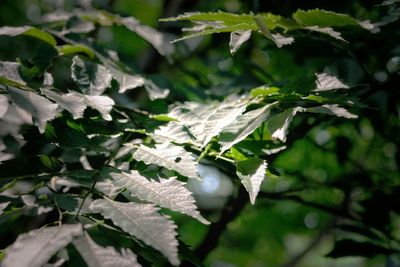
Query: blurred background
[331, 172]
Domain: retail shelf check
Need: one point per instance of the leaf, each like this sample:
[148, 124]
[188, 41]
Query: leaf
[278, 39]
[144, 222]
[41, 109]
[102, 104]
[131, 81]
[69, 49]
[239, 27]
[218, 22]
[243, 126]
[171, 193]
[169, 156]
[72, 102]
[332, 109]
[93, 79]
[98, 256]
[3, 206]
[237, 39]
[157, 39]
[173, 132]
[162, 117]
[264, 91]
[76, 103]
[224, 114]
[35, 248]
[154, 91]
[227, 18]
[278, 124]
[326, 82]
[84, 178]
[251, 173]
[281, 40]
[29, 31]
[9, 74]
[323, 18]
[327, 30]
[193, 116]
[126, 81]
[4, 103]
[77, 25]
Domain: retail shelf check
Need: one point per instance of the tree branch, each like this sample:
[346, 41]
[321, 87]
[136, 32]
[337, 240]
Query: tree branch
[299, 257]
[298, 199]
[229, 213]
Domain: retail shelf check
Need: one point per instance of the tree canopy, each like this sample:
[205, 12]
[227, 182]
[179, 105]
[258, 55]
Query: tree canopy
[199, 133]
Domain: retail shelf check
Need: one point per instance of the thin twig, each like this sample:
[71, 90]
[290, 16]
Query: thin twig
[298, 199]
[299, 257]
[97, 174]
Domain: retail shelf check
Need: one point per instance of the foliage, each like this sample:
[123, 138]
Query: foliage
[98, 159]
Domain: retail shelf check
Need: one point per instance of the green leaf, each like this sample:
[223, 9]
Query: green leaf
[3, 206]
[171, 193]
[9, 74]
[193, 115]
[68, 49]
[332, 109]
[227, 18]
[154, 91]
[4, 103]
[243, 126]
[264, 91]
[173, 132]
[237, 39]
[35, 248]
[224, 114]
[238, 27]
[98, 256]
[144, 222]
[41, 109]
[278, 124]
[326, 82]
[162, 117]
[84, 178]
[101, 103]
[93, 79]
[169, 156]
[259, 147]
[224, 19]
[158, 40]
[328, 31]
[29, 31]
[131, 81]
[278, 39]
[126, 81]
[76, 103]
[323, 18]
[72, 102]
[219, 22]
[251, 173]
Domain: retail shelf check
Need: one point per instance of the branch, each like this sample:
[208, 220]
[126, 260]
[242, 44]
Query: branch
[298, 199]
[296, 260]
[229, 213]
